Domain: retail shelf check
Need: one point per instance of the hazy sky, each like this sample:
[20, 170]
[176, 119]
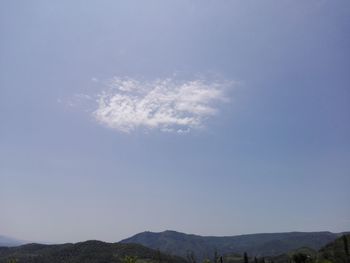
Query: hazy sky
[207, 117]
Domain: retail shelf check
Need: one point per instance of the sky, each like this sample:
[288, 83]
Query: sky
[205, 117]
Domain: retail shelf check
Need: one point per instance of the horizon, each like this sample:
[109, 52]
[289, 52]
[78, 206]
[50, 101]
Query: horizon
[216, 118]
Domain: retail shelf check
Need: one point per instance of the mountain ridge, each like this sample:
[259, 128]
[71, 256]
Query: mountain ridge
[232, 248]
[260, 244]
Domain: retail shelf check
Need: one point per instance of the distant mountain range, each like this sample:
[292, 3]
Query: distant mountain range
[10, 242]
[259, 245]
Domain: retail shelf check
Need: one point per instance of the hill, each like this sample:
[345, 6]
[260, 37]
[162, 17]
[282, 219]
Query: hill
[337, 251]
[87, 252]
[334, 252]
[291, 256]
[259, 245]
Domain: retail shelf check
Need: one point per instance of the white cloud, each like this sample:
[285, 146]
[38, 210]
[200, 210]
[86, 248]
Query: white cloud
[164, 104]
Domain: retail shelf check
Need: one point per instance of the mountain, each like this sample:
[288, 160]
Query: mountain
[10, 242]
[259, 245]
[87, 252]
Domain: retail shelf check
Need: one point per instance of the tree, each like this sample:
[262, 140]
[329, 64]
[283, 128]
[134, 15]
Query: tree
[159, 256]
[191, 257]
[346, 245]
[255, 260]
[129, 259]
[300, 258]
[216, 256]
[245, 257]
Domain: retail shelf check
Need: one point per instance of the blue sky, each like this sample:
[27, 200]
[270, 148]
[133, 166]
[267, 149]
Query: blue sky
[207, 117]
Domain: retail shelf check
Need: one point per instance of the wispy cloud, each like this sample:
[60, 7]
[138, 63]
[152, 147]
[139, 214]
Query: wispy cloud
[169, 105]
[164, 104]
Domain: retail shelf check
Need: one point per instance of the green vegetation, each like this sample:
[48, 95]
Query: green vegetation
[85, 252]
[129, 259]
[336, 252]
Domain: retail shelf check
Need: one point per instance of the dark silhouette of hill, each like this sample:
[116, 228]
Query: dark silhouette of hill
[259, 245]
[333, 252]
[337, 251]
[87, 252]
